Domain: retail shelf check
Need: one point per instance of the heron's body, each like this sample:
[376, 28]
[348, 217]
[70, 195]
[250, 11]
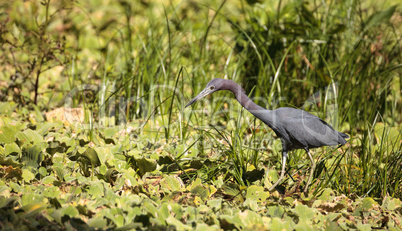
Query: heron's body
[299, 129]
[296, 128]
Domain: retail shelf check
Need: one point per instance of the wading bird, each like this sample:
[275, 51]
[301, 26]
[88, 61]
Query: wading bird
[296, 128]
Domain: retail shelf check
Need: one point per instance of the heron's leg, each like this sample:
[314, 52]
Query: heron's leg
[311, 170]
[284, 156]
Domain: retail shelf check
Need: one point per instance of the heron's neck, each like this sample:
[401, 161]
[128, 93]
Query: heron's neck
[244, 100]
[261, 113]
[265, 115]
[247, 103]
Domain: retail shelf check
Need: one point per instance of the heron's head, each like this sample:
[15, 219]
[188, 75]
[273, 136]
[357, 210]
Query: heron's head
[212, 86]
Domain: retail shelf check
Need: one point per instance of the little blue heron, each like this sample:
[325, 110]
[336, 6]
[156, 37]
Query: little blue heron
[296, 128]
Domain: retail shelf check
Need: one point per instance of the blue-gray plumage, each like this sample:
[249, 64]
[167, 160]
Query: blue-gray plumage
[296, 128]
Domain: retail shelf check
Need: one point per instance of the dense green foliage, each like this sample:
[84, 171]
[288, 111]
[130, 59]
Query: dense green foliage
[94, 133]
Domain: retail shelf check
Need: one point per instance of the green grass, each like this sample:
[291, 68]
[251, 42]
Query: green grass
[135, 158]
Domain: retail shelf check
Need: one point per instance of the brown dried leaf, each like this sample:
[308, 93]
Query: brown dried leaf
[331, 207]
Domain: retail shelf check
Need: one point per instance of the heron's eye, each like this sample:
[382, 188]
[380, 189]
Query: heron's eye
[211, 88]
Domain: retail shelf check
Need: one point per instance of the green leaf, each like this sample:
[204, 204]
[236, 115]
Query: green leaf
[363, 227]
[103, 169]
[146, 165]
[49, 180]
[326, 195]
[17, 33]
[159, 215]
[303, 225]
[6, 108]
[29, 136]
[42, 171]
[92, 155]
[43, 128]
[272, 176]
[304, 212]
[172, 184]
[97, 222]
[7, 202]
[379, 17]
[150, 208]
[33, 208]
[104, 153]
[387, 136]
[129, 176]
[96, 190]
[31, 197]
[392, 203]
[234, 220]
[368, 203]
[38, 114]
[164, 211]
[200, 191]
[178, 224]
[232, 190]
[11, 148]
[52, 192]
[289, 201]
[250, 218]
[70, 211]
[110, 131]
[215, 204]
[27, 175]
[59, 172]
[137, 154]
[279, 224]
[256, 193]
[275, 211]
[32, 155]
[5, 191]
[7, 134]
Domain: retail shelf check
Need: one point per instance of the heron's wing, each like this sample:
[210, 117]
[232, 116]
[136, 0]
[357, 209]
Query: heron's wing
[271, 119]
[307, 130]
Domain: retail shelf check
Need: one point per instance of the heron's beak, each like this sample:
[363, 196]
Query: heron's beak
[204, 93]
